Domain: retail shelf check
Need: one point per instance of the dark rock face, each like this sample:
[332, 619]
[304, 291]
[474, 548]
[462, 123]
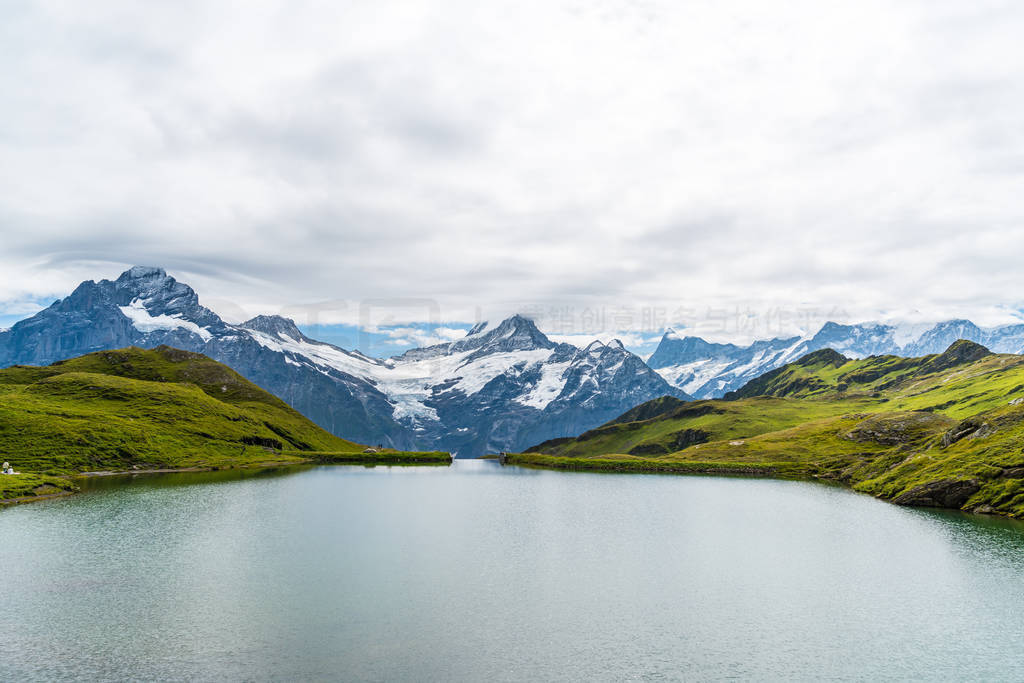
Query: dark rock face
[689, 437]
[274, 325]
[971, 428]
[539, 389]
[944, 493]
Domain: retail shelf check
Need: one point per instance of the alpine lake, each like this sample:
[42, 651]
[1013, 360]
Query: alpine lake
[479, 572]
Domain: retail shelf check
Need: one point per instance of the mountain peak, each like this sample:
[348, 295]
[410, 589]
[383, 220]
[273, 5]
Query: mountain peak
[514, 322]
[515, 333]
[152, 283]
[959, 352]
[142, 273]
[274, 325]
[672, 333]
[518, 322]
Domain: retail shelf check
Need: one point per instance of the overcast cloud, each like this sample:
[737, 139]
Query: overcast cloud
[391, 162]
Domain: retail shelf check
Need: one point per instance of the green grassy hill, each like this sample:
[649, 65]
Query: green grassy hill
[945, 430]
[148, 409]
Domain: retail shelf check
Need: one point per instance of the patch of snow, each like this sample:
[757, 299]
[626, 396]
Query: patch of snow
[408, 384]
[481, 329]
[905, 334]
[670, 333]
[482, 370]
[756, 361]
[548, 387]
[690, 377]
[144, 322]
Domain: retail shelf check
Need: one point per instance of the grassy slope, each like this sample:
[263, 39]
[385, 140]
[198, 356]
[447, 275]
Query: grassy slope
[150, 409]
[939, 430]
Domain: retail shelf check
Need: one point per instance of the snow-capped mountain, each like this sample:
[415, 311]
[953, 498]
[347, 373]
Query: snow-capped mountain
[501, 387]
[708, 370]
[704, 369]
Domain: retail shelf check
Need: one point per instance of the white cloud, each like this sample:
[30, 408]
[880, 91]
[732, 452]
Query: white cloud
[416, 336]
[453, 161]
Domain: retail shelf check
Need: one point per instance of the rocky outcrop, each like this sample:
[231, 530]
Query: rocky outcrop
[971, 428]
[684, 438]
[900, 429]
[689, 437]
[944, 493]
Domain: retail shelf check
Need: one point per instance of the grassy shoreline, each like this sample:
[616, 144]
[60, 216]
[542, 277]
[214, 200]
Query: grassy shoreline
[29, 487]
[628, 464]
[836, 471]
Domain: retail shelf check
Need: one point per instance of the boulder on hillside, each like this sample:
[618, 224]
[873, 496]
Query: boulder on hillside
[971, 428]
[944, 493]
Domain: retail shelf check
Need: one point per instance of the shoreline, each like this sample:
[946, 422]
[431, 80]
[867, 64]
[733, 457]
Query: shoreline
[791, 472]
[32, 499]
[785, 471]
[412, 459]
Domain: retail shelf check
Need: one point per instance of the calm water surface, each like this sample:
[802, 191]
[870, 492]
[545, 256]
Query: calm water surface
[481, 573]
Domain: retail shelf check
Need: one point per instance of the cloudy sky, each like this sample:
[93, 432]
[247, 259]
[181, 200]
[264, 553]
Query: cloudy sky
[738, 167]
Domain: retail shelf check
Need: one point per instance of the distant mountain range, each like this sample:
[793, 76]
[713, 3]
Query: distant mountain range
[501, 387]
[708, 370]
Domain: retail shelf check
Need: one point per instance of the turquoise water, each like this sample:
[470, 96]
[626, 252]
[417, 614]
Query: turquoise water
[483, 573]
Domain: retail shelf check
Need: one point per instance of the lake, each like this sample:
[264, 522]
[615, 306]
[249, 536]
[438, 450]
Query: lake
[477, 572]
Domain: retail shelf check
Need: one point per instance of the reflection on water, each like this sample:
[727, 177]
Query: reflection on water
[478, 572]
[162, 479]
